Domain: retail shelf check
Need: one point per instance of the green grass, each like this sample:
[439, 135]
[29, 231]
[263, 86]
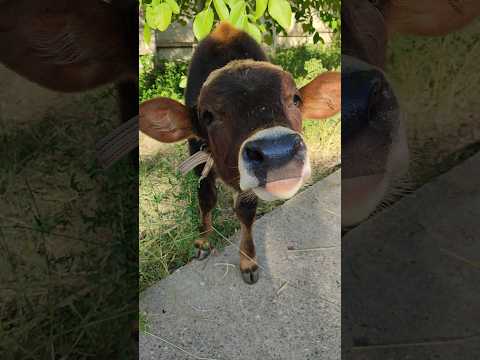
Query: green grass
[169, 219]
[168, 215]
[68, 249]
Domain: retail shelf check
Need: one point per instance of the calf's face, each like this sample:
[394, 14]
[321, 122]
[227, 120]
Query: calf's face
[250, 114]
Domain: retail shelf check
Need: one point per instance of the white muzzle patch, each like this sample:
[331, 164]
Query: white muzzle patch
[283, 185]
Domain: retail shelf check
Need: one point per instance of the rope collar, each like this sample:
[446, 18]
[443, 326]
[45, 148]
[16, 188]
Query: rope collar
[196, 159]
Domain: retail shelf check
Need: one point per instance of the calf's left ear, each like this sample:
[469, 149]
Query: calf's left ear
[321, 97]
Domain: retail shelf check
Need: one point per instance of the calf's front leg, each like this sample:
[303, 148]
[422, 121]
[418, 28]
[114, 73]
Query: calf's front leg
[207, 199]
[245, 208]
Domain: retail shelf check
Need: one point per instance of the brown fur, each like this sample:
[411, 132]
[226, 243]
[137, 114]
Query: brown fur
[245, 208]
[74, 46]
[68, 45]
[254, 85]
[224, 33]
[430, 17]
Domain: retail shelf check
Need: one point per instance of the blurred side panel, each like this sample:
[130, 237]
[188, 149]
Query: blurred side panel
[68, 226]
[410, 180]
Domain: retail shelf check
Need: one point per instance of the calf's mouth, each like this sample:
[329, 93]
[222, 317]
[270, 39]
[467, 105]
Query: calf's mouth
[273, 163]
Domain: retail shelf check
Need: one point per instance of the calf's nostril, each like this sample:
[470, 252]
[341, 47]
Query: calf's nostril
[274, 151]
[253, 154]
[298, 145]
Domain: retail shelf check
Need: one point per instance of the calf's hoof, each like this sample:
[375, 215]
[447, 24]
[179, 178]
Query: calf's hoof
[201, 254]
[202, 249]
[250, 272]
[250, 277]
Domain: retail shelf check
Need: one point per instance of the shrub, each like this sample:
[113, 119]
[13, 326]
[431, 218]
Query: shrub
[305, 62]
[164, 79]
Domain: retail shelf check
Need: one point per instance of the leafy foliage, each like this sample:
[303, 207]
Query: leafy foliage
[257, 17]
[165, 80]
[328, 11]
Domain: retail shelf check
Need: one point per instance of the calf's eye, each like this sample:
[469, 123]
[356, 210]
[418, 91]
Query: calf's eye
[297, 100]
[207, 117]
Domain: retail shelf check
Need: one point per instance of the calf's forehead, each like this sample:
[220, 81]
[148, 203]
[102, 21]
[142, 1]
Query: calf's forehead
[246, 81]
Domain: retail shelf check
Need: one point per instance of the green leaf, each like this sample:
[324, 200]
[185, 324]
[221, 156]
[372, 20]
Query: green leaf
[254, 32]
[159, 16]
[237, 11]
[242, 22]
[281, 12]
[222, 9]
[268, 39]
[203, 23]
[173, 4]
[183, 82]
[232, 2]
[260, 7]
[147, 34]
[317, 38]
[334, 25]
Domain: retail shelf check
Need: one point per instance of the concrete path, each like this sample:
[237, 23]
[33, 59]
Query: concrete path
[293, 312]
[412, 275]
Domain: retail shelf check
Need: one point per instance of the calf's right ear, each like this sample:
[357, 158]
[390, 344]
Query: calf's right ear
[321, 96]
[429, 17]
[165, 120]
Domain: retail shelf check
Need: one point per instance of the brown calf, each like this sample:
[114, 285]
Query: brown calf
[247, 113]
[374, 145]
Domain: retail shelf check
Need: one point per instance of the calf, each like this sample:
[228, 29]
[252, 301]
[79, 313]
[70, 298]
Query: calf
[247, 113]
[374, 145]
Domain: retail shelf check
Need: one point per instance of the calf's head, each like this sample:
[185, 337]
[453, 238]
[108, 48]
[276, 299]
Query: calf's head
[250, 115]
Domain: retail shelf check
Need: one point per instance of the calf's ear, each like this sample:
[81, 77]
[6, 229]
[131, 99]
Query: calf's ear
[429, 17]
[321, 97]
[165, 120]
